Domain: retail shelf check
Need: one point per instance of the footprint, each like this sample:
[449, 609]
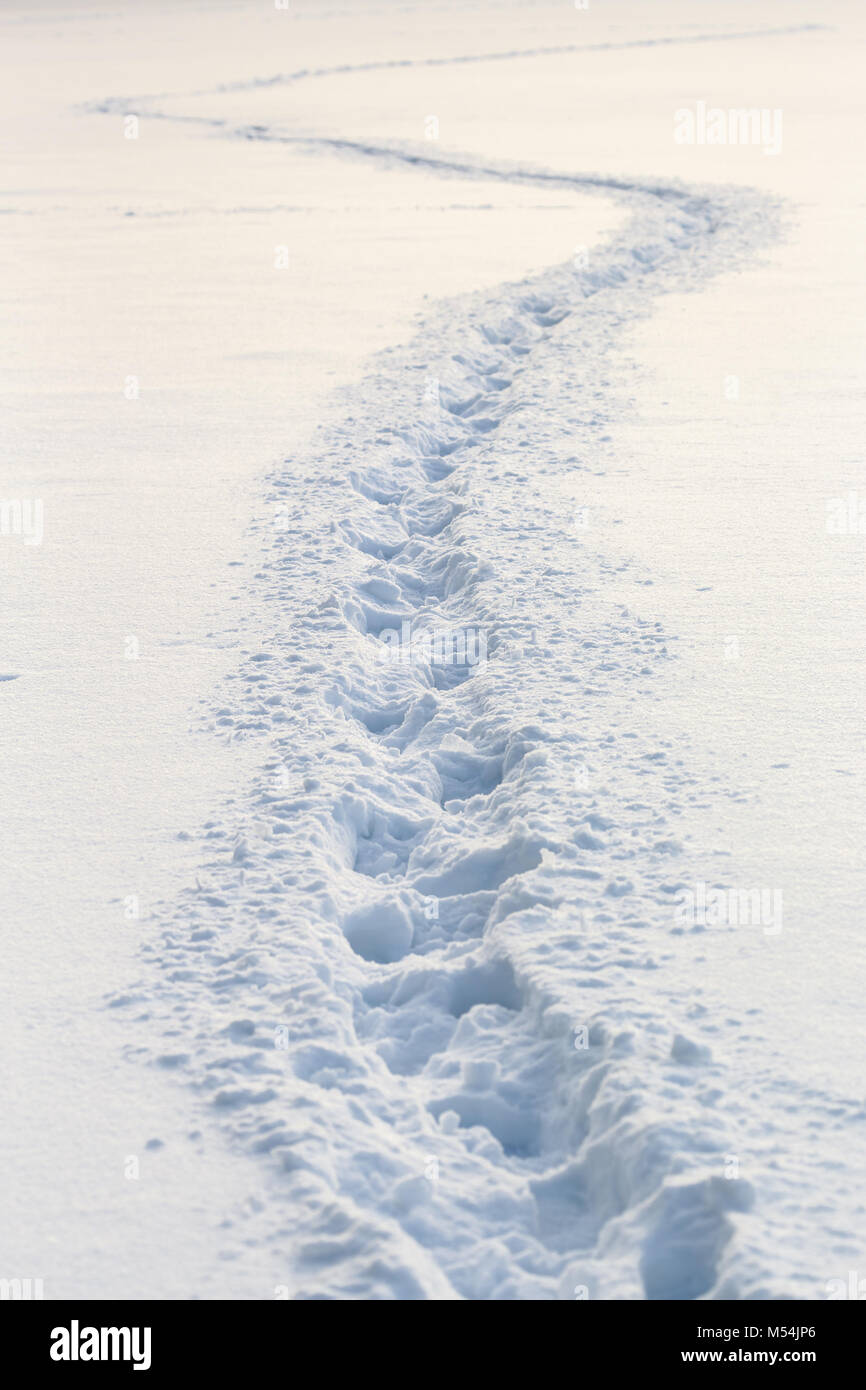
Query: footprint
[491, 983]
[381, 933]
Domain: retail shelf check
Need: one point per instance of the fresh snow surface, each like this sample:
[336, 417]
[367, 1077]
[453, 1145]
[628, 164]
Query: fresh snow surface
[533, 627]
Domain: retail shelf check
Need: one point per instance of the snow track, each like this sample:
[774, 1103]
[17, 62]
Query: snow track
[414, 977]
[462, 59]
[545, 51]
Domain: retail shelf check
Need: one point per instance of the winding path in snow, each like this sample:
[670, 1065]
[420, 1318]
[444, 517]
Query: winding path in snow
[427, 986]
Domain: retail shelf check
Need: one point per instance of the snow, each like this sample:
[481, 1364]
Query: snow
[421, 628]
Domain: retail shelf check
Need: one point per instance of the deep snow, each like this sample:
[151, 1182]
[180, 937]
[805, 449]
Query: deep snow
[447, 1029]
